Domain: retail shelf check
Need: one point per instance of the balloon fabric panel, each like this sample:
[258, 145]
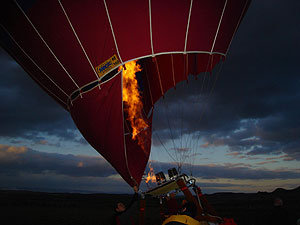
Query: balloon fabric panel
[70, 48]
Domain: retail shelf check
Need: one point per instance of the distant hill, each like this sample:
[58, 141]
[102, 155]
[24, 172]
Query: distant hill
[282, 190]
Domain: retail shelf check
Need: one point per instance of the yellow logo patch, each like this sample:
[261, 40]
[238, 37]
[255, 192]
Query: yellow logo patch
[107, 65]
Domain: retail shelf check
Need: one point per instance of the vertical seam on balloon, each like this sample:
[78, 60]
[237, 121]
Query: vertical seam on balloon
[218, 27]
[188, 26]
[40, 36]
[173, 72]
[37, 67]
[149, 85]
[112, 31]
[160, 83]
[150, 23]
[187, 65]
[237, 26]
[88, 59]
[125, 149]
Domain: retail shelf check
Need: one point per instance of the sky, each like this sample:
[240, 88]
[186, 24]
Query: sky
[242, 134]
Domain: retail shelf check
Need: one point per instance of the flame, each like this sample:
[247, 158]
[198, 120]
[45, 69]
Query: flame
[132, 100]
[151, 175]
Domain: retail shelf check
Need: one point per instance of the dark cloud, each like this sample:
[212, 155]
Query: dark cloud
[25, 109]
[229, 171]
[209, 188]
[24, 168]
[15, 160]
[62, 183]
[27, 169]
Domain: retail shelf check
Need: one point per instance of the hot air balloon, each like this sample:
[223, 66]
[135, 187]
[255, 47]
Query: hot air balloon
[78, 51]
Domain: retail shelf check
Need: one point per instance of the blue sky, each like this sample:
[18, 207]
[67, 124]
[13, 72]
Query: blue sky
[246, 141]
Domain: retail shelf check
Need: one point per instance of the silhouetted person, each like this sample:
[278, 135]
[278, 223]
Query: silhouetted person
[279, 214]
[189, 209]
[172, 205]
[183, 202]
[123, 214]
[187, 216]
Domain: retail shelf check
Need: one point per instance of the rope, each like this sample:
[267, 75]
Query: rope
[112, 31]
[170, 128]
[237, 26]
[37, 67]
[150, 26]
[88, 59]
[125, 149]
[218, 27]
[188, 25]
[40, 36]
[164, 147]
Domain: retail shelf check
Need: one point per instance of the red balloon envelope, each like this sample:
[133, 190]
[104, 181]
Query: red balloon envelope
[73, 49]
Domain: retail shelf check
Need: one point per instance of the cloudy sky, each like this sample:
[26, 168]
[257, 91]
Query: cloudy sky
[242, 135]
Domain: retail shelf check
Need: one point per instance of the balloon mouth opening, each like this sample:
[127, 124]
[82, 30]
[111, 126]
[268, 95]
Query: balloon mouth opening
[90, 86]
[132, 102]
[210, 57]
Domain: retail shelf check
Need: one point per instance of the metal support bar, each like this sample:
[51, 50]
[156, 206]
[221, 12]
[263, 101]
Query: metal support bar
[189, 197]
[207, 207]
[161, 210]
[142, 211]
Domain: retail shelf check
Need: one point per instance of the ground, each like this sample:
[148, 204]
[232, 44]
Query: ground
[38, 208]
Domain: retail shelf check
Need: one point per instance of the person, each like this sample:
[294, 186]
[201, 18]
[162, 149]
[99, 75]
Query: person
[279, 214]
[187, 214]
[183, 202]
[123, 215]
[172, 204]
[189, 209]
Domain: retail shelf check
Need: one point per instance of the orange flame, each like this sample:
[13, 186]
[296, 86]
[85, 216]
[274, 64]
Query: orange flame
[151, 176]
[132, 99]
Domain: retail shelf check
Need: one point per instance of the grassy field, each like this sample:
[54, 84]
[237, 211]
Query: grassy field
[38, 208]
